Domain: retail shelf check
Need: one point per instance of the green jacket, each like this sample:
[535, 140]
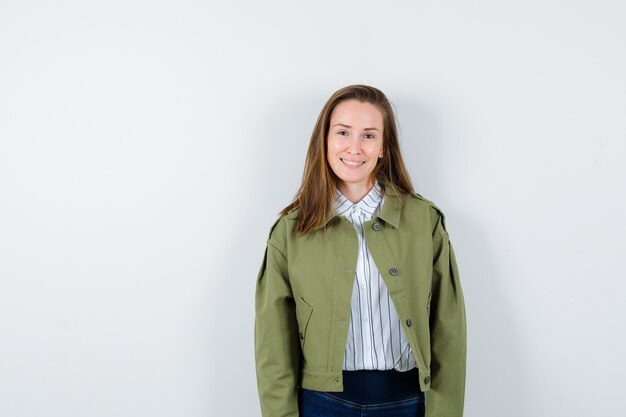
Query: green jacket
[303, 293]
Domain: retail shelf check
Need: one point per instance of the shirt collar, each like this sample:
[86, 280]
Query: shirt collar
[369, 205]
[388, 203]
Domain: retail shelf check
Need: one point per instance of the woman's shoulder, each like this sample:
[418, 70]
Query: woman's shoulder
[282, 226]
[436, 213]
[424, 200]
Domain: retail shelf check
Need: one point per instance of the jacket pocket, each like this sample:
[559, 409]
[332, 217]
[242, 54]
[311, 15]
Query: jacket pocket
[303, 315]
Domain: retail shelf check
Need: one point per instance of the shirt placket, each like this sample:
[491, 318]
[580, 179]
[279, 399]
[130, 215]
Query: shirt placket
[363, 283]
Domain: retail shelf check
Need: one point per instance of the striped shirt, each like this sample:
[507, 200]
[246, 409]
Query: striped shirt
[376, 339]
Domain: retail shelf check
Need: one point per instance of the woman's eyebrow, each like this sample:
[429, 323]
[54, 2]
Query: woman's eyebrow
[350, 127]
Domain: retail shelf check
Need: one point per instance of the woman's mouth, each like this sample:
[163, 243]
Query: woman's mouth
[352, 164]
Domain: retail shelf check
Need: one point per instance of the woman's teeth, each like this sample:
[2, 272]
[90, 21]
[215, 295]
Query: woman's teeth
[354, 164]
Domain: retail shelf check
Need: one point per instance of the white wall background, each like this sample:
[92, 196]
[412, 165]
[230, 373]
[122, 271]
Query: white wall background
[146, 147]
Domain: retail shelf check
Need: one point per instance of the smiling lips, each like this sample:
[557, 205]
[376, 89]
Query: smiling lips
[352, 164]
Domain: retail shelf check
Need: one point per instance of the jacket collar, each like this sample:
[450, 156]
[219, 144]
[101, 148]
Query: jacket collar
[390, 212]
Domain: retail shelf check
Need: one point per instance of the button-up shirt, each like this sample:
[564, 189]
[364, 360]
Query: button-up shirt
[376, 339]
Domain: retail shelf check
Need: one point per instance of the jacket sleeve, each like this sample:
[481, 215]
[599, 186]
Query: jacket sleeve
[447, 331]
[276, 342]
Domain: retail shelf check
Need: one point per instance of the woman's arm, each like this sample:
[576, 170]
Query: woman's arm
[276, 335]
[448, 331]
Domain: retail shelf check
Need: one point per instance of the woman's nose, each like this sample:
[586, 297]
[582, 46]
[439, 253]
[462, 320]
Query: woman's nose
[353, 145]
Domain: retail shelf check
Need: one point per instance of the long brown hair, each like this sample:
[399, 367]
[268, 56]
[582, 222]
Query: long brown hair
[316, 196]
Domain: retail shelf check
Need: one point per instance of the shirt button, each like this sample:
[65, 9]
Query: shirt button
[427, 380]
[376, 226]
[337, 380]
[301, 336]
[409, 322]
[393, 271]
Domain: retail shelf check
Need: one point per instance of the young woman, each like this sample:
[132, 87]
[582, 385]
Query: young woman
[359, 308]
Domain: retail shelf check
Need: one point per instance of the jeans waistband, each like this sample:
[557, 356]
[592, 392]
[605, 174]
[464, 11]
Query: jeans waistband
[373, 386]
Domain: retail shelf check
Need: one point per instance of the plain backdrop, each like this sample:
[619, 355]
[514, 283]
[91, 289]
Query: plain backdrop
[146, 148]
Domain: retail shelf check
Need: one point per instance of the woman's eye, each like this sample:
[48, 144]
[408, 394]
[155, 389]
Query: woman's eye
[342, 132]
[369, 136]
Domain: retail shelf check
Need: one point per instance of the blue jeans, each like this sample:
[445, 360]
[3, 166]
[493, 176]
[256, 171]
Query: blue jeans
[325, 404]
[367, 394]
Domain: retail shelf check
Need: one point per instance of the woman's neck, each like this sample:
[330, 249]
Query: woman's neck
[355, 191]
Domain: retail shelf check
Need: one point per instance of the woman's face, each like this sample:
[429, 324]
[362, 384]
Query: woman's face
[355, 142]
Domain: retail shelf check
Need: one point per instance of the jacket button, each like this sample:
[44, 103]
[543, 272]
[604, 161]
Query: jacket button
[301, 336]
[427, 380]
[409, 323]
[376, 226]
[393, 271]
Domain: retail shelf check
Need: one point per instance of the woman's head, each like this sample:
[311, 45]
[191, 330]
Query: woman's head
[356, 124]
[354, 146]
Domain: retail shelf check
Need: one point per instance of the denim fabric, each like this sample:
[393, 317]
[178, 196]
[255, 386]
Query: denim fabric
[326, 404]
